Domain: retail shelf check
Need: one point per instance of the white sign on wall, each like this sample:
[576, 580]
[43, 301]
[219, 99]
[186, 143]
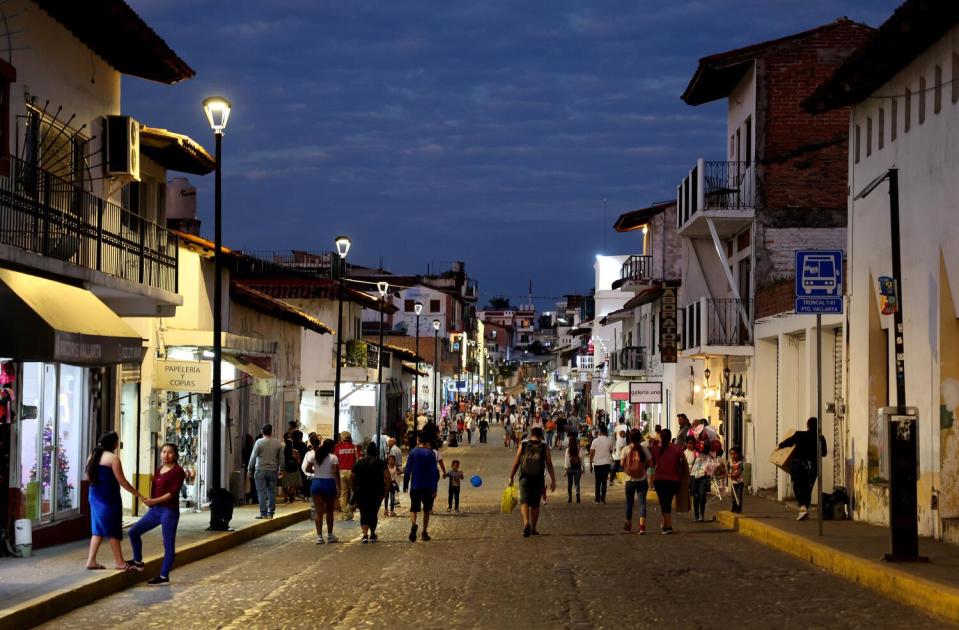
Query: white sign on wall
[184, 376]
[645, 392]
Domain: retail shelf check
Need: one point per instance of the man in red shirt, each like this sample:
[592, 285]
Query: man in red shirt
[346, 453]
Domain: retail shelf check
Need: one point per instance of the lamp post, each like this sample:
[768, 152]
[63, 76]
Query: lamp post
[217, 111]
[343, 244]
[417, 308]
[383, 288]
[436, 369]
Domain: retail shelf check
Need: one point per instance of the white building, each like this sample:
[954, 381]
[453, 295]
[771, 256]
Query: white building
[903, 87]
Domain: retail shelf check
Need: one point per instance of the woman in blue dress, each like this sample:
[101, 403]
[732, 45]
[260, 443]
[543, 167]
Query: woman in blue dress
[105, 475]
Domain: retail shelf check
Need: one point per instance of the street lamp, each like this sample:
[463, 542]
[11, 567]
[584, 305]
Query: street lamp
[436, 369]
[343, 244]
[383, 288]
[417, 308]
[217, 111]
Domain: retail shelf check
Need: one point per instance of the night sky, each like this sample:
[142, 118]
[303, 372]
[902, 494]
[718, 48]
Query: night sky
[430, 131]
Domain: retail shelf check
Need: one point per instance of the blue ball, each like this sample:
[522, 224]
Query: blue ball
[476, 480]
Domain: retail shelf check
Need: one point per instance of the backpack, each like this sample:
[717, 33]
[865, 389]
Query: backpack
[533, 462]
[635, 468]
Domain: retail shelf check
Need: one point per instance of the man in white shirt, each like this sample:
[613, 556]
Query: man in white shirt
[600, 460]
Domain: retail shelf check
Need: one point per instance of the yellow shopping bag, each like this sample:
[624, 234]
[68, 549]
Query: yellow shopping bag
[510, 499]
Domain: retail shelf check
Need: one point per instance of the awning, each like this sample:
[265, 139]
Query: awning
[245, 365]
[51, 321]
[175, 152]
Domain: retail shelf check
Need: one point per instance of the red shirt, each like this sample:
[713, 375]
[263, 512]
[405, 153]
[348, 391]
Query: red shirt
[346, 454]
[667, 462]
[169, 482]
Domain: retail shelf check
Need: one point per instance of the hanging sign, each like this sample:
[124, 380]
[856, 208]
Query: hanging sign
[184, 376]
[668, 326]
[645, 392]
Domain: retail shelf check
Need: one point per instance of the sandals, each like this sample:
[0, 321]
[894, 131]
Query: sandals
[96, 567]
[127, 567]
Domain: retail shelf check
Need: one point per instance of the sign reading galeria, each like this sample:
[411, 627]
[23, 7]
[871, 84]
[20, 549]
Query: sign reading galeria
[184, 376]
[645, 392]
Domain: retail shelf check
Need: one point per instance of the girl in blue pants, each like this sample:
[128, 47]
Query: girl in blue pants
[164, 504]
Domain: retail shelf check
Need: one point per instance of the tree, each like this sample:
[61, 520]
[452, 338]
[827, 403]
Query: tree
[499, 303]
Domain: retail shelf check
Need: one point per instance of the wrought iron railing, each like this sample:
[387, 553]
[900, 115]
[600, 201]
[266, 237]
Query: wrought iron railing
[637, 269]
[51, 216]
[631, 358]
[716, 186]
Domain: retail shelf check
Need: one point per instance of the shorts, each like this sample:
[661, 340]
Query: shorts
[422, 497]
[531, 491]
[323, 488]
[666, 490]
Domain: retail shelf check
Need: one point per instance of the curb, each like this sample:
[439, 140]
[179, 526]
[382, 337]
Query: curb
[38, 610]
[929, 596]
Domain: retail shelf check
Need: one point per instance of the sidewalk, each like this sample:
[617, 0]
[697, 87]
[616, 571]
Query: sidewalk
[854, 550]
[54, 581]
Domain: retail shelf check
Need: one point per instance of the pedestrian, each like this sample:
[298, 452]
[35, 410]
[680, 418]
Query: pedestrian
[736, 477]
[684, 428]
[291, 471]
[483, 429]
[560, 431]
[246, 453]
[469, 429]
[105, 474]
[266, 462]
[346, 454]
[421, 477]
[164, 504]
[455, 475]
[550, 432]
[670, 467]
[323, 465]
[600, 462]
[389, 503]
[573, 463]
[633, 460]
[699, 476]
[618, 446]
[802, 469]
[370, 482]
[301, 448]
[395, 451]
[532, 461]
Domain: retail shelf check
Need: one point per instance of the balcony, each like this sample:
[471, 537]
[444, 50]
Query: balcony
[627, 361]
[43, 214]
[718, 327]
[636, 274]
[719, 193]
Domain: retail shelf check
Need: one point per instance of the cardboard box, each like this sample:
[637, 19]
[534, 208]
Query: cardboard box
[782, 457]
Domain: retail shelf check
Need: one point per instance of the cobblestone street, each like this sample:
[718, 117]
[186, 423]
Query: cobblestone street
[583, 572]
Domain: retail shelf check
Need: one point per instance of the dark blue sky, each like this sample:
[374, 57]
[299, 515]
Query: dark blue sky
[432, 131]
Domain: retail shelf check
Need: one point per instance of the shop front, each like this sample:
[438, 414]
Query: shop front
[58, 356]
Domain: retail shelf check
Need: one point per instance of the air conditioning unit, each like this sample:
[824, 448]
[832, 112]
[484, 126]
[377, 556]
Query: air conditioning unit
[122, 148]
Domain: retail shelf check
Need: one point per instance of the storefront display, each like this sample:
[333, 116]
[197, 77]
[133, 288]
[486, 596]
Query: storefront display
[186, 422]
[49, 423]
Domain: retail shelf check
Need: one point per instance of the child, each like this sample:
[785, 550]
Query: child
[456, 477]
[389, 503]
[736, 476]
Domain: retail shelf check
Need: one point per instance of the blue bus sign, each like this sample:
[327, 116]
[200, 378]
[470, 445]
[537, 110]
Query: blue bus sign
[819, 281]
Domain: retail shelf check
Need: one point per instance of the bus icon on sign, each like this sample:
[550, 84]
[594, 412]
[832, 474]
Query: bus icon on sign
[820, 275]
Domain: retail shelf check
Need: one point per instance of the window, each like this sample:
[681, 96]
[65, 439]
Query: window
[893, 119]
[922, 100]
[868, 136]
[955, 77]
[408, 306]
[857, 144]
[907, 111]
[387, 359]
[937, 103]
[7, 76]
[434, 306]
[738, 144]
[882, 127]
[749, 139]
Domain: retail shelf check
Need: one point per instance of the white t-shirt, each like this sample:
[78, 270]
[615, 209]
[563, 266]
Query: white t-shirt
[324, 470]
[602, 448]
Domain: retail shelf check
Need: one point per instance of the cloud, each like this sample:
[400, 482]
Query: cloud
[510, 119]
